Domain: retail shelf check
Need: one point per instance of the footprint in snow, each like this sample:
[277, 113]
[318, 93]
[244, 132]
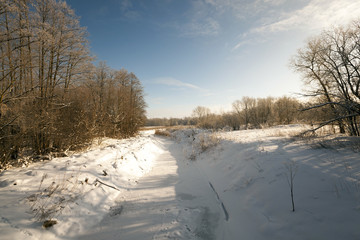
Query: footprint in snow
[114, 211]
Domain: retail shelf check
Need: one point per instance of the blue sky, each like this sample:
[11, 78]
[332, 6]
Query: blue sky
[190, 53]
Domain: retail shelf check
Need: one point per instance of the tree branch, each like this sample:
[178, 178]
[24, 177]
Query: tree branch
[330, 121]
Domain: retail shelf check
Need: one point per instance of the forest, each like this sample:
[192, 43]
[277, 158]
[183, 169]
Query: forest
[53, 97]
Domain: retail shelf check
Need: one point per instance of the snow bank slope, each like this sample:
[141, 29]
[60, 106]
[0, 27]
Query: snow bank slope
[249, 170]
[76, 191]
[203, 185]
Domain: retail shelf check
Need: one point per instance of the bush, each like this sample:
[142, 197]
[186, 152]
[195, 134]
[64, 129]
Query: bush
[49, 201]
[162, 132]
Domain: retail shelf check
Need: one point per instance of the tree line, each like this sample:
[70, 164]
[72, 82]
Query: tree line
[246, 113]
[251, 113]
[52, 96]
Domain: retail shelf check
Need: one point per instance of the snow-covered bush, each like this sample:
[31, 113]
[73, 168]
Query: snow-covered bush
[162, 132]
[196, 141]
[205, 141]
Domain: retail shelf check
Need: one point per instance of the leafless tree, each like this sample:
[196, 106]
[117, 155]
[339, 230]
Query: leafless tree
[201, 114]
[245, 108]
[286, 110]
[329, 64]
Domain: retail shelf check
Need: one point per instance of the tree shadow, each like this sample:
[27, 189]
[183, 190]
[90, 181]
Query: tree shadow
[173, 205]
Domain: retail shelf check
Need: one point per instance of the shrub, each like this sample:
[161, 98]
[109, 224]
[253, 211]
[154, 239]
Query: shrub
[162, 132]
[49, 201]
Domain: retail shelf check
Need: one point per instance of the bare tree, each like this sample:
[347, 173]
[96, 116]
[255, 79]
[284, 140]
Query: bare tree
[264, 111]
[201, 114]
[286, 110]
[245, 110]
[330, 67]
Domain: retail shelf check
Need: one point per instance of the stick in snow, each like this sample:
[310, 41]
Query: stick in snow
[97, 180]
[221, 203]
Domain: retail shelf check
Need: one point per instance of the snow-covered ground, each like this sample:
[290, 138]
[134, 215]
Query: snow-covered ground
[193, 185]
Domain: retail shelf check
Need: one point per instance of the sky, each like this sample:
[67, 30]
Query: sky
[190, 53]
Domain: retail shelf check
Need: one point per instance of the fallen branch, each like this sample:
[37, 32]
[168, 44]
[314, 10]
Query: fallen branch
[97, 180]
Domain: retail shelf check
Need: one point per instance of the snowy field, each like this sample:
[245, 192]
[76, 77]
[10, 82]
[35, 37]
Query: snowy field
[191, 185]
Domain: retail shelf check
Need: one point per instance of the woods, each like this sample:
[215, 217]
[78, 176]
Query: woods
[52, 96]
[247, 113]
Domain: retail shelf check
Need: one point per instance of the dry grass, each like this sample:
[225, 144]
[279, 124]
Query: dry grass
[165, 127]
[162, 132]
[49, 201]
[207, 141]
[151, 128]
[167, 131]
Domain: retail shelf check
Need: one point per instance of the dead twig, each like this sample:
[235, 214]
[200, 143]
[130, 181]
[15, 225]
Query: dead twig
[97, 180]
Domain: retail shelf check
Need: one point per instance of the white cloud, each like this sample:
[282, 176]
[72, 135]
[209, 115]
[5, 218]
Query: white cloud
[275, 2]
[317, 14]
[249, 39]
[201, 20]
[177, 83]
[127, 12]
[243, 9]
[267, 16]
[240, 44]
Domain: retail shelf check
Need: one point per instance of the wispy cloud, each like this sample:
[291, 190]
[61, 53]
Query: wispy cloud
[317, 14]
[206, 17]
[201, 27]
[176, 83]
[314, 15]
[248, 41]
[249, 38]
[201, 20]
[243, 9]
[127, 10]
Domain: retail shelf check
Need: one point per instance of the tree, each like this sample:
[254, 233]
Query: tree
[201, 114]
[264, 111]
[245, 109]
[330, 66]
[230, 120]
[286, 110]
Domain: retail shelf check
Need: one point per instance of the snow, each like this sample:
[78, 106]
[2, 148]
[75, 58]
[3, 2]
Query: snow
[195, 185]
